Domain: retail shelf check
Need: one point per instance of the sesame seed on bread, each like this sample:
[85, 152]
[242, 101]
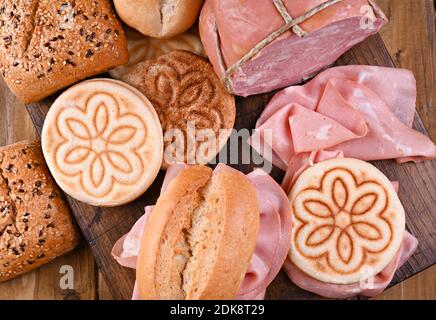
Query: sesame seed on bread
[36, 224]
[46, 45]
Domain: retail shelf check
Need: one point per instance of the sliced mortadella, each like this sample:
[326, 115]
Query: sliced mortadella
[368, 288]
[298, 130]
[272, 245]
[126, 249]
[300, 162]
[396, 87]
[275, 135]
[274, 237]
[312, 130]
[333, 105]
[365, 112]
[388, 137]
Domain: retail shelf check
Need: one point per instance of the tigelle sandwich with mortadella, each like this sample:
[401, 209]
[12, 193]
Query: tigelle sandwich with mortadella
[348, 230]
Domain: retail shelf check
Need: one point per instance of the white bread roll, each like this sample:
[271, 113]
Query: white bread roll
[159, 18]
[200, 237]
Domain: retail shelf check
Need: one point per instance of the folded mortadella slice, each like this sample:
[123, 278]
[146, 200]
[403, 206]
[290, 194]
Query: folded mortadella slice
[365, 112]
[397, 88]
[126, 249]
[369, 288]
[274, 237]
[300, 162]
[271, 247]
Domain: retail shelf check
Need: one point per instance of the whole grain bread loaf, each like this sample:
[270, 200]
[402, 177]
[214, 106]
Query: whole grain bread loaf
[35, 222]
[46, 45]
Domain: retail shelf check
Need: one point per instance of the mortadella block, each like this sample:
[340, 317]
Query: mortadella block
[230, 29]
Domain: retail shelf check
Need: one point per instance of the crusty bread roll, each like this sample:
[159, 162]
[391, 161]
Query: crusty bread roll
[200, 237]
[159, 18]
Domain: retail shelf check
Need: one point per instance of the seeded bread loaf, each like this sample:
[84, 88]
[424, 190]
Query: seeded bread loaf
[35, 222]
[46, 45]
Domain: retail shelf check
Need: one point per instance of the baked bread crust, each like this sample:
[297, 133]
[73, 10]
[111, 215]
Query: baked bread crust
[48, 45]
[36, 225]
[157, 18]
[200, 237]
[187, 95]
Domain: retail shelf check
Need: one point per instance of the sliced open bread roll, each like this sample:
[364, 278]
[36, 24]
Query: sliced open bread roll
[200, 237]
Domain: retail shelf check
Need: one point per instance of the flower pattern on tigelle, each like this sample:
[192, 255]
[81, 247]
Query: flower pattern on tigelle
[189, 110]
[100, 144]
[342, 221]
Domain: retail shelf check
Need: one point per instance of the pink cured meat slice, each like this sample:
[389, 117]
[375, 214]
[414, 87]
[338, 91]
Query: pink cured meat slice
[289, 59]
[302, 161]
[274, 207]
[397, 88]
[344, 109]
[126, 249]
[271, 247]
[371, 288]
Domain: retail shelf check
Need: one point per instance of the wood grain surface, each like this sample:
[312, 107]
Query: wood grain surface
[410, 38]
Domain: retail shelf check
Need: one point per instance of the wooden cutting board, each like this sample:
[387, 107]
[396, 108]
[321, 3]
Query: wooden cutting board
[101, 227]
